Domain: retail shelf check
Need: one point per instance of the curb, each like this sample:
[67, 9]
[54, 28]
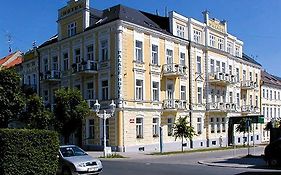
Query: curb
[223, 165]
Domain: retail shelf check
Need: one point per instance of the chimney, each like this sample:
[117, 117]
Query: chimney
[86, 14]
[206, 16]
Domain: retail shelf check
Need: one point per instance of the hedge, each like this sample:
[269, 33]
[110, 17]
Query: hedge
[28, 152]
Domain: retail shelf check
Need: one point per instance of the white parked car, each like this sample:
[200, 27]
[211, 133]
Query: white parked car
[74, 161]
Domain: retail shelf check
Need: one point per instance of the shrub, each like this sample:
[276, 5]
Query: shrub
[28, 152]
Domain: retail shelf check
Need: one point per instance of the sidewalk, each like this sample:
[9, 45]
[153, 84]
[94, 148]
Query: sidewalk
[132, 155]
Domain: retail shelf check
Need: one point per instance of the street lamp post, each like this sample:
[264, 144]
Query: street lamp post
[105, 115]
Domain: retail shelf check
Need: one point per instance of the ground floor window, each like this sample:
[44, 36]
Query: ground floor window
[91, 129]
[170, 126]
[139, 127]
[155, 127]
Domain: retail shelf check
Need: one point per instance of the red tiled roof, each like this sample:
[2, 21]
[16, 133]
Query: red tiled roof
[6, 58]
[18, 60]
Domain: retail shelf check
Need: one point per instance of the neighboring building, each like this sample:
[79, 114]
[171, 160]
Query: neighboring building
[28, 70]
[157, 69]
[270, 100]
[11, 60]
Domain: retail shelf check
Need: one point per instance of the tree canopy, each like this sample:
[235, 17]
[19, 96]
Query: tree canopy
[11, 97]
[70, 109]
[182, 130]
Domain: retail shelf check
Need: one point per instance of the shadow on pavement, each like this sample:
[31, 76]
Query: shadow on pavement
[260, 173]
[252, 162]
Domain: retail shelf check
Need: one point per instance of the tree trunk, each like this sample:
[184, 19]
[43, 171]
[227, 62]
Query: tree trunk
[181, 144]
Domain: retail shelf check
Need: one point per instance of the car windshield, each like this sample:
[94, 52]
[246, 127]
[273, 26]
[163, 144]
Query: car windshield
[72, 151]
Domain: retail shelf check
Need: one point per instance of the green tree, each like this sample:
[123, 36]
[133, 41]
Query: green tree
[182, 130]
[69, 111]
[35, 116]
[11, 97]
[242, 128]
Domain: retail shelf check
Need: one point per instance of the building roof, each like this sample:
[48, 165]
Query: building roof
[270, 80]
[144, 19]
[249, 59]
[11, 60]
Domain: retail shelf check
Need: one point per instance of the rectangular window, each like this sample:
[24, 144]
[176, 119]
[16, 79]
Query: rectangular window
[230, 69]
[218, 125]
[275, 95]
[180, 31]
[90, 52]
[90, 91]
[155, 127]
[55, 65]
[278, 95]
[212, 66]
[199, 125]
[183, 92]
[218, 66]
[104, 50]
[199, 95]
[154, 54]
[251, 76]
[46, 96]
[270, 94]
[212, 40]
[238, 99]
[256, 78]
[182, 58]
[169, 54]
[139, 127]
[197, 36]
[251, 100]
[230, 97]
[77, 56]
[263, 93]
[91, 129]
[244, 75]
[170, 126]
[229, 47]
[212, 125]
[139, 89]
[199, 68]
[220, 43]
[238, 74]
[71, 29]
[139, 50]
[46, 65]
[105, 95]
[237, 51]
[267, 94]
[155, 91]
[257, 101]
[65, 61]
[223, 67]
[223, 124]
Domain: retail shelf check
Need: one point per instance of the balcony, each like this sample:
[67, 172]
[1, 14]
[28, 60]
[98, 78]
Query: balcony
[216, 107]
[53, 75]
[221, 78]
[175, 104]
[249, 109]
[86, 67]
[230, 107]
[248, 85]
[174, 70]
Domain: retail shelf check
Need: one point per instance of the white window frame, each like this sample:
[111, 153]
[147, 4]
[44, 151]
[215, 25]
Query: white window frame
[139, 51]
[199, 125]
[155, 91]
[170, 124]
[105, 90]
[155, 126]
[197, 36]
[212, 39]
[198, 65]
[71, 29]
[139, 91]
[154, 54]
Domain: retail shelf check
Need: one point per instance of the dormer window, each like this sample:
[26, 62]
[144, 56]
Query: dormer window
[180, 31]
[71, 29]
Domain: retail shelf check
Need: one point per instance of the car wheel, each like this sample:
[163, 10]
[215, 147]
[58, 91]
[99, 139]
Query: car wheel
[66, 171]
[273, 162]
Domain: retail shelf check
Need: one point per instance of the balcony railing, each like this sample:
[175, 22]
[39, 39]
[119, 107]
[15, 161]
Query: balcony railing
[88, 66]
[248, 84]
[216, 107]
[53, 75]
[175, 104]
[231, 107]
[222, 78]
[174, 70]
[249, 109]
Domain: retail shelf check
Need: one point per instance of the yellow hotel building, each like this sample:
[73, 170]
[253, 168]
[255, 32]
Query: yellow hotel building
[157, 69]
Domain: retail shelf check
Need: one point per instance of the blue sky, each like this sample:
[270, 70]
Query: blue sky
[256, 22]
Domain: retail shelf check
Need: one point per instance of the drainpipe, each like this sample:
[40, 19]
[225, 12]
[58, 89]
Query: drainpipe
[190, 89]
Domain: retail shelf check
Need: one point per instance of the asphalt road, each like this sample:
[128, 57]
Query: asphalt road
[181, 164]
[138, 168]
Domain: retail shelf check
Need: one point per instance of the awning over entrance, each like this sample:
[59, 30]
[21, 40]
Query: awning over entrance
[253, 118]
